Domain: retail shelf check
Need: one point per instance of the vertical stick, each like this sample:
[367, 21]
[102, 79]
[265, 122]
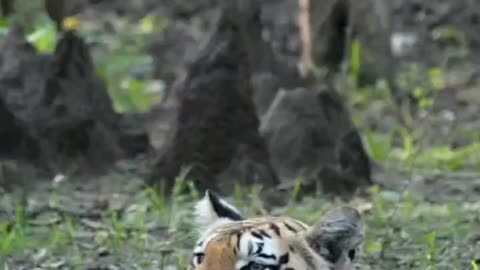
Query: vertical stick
[6, 6]
[305, 37]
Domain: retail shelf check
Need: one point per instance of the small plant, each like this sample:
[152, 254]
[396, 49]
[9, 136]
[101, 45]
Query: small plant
[43, 35]
[158, 202]
[119, 232]
[356, 61]
[4, 26]
[238, 195]
[8, 241]
[297, 189]
[59, 238]
[379, 206]
[431, 246]
[379, 146]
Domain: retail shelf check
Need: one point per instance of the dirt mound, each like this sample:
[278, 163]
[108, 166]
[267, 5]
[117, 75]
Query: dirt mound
[310, 134]
[191, 21]
[57, 111]
[234, 80]
[216, 128]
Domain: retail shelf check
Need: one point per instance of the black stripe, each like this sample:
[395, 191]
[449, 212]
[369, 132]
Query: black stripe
[259, 248]
[256, 235]
[220, 209]
[289, 227]
[239, 236]
[264, 233]
[267, 256]
[284, 259]
[275, 228]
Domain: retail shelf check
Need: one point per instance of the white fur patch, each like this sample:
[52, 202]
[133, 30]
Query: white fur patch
[205, 215]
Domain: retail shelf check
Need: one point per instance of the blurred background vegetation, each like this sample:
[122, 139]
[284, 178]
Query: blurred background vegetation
[119, 53]
[119, 46]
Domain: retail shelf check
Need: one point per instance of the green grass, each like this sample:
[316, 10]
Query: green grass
[404, 231]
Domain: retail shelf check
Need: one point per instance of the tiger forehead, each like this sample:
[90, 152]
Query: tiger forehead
[275, 224]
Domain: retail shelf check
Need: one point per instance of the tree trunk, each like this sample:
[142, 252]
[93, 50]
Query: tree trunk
[328, 28]
[7, 6]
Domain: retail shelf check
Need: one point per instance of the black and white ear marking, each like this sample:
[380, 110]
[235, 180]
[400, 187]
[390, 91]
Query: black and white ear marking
[212, 208]
[337, 233]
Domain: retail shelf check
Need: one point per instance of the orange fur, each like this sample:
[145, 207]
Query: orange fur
[219, 256]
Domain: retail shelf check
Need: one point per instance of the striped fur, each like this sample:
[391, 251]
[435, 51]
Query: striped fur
[274, 243]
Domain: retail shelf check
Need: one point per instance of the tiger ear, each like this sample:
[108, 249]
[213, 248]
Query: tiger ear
[212, 208]
[337, 233]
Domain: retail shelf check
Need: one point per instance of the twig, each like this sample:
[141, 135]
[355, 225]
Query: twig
[305, 36]
[64, 212]
[61, 212]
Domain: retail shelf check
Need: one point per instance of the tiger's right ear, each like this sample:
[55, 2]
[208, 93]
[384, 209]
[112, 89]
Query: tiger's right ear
[338, 233]
[212, 208]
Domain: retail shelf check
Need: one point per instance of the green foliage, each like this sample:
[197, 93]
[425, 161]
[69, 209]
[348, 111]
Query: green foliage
[121, 56]
[356, 61]
[431, 244]
[409, 144]
[378, 145]
[403, 229]
[9, 239]
[297, 189]
[382, 149]
[128, 94]
[403, 226]
[43, 35]
[437, 78]
[448, 33]
[4, 26]
[445, 157]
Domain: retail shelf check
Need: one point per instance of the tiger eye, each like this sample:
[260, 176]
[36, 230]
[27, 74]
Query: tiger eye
[257, 266]
[199, 258]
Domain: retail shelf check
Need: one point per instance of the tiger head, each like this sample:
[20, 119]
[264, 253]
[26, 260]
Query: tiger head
[230, 242]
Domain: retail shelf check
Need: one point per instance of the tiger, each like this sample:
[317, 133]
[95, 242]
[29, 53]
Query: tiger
[228, 241]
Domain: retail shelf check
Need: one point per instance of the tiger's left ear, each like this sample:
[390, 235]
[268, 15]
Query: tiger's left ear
[212, 208]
